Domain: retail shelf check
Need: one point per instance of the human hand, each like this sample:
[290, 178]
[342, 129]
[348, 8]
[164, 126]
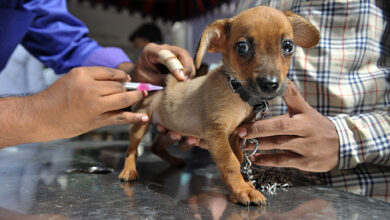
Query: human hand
[309, 139]
[84, 99]
[186, 143]
[147, 68]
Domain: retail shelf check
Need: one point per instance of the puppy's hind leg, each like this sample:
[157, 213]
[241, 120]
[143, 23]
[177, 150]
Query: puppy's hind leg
[129, 172]
[159, 145]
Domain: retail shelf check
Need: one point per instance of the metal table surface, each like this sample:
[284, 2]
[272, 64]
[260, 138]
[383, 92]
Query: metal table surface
[36, 183]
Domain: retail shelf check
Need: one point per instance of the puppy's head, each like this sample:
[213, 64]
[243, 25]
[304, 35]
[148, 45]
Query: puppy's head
[257, 46]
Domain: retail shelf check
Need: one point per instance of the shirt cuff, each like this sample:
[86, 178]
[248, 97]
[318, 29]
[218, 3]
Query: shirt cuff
[349, 152]
[106, 56]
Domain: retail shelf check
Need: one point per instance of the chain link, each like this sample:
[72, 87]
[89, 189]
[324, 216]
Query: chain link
[246, 168]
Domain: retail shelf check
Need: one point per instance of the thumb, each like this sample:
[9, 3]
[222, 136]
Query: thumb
[295, 102]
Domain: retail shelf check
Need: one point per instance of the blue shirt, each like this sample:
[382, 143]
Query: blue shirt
[50, 33]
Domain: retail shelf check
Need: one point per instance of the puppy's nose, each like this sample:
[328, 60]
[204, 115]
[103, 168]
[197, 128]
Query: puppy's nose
[268, 84]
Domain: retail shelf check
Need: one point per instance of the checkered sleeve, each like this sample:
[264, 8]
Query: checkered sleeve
[363, 138]
[346, 78]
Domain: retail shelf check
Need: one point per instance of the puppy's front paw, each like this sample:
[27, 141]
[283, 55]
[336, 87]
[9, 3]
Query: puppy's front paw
[128, 175]
[247, 195]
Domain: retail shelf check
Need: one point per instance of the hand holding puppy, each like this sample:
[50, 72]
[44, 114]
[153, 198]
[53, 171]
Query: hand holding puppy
[177, 60]
[147, 70]
[310, 139]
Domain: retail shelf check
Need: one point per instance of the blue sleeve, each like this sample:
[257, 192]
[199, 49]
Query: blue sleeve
[56, 37]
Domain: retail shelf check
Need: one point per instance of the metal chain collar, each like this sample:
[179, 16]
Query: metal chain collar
[246, 169]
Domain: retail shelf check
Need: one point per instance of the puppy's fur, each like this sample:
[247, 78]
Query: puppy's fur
[256, 47]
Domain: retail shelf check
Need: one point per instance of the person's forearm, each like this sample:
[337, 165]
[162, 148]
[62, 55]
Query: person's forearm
[363, 138]
[20, 121]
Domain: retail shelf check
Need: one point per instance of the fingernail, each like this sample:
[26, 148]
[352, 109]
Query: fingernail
[128, 78]
[242, 132]
[144, 93]
[174, 137]
[182, 75]
[191, 141]
[160, 129]
[144, 118]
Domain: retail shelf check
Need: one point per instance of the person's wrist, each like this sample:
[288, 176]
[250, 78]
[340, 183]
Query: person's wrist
[33, 112]
[40, 115]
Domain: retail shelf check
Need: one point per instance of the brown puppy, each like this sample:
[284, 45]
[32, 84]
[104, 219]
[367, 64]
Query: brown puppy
[256, 47]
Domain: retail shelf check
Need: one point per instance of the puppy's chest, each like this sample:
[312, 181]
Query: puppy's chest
[226, 110]
[238, 114]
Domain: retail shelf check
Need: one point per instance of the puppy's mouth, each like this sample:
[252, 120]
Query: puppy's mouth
[258, 91]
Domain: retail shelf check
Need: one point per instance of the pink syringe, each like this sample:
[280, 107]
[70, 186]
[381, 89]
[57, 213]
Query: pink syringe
[141, 86]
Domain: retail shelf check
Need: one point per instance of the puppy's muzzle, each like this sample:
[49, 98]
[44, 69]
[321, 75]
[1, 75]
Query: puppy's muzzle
[268, 84]
[268, 87]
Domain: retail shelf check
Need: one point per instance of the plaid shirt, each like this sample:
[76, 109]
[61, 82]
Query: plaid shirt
[346, 77]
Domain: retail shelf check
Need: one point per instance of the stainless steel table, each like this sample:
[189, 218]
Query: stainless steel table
[47, 181]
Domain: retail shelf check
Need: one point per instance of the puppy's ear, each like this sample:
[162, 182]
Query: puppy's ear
[213, 39]
[305, 34]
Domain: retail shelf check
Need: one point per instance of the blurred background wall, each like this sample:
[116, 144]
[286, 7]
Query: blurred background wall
[111, 27]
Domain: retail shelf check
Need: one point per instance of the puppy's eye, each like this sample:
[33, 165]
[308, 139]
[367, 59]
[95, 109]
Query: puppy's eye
[288, 47]
[242, 48]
